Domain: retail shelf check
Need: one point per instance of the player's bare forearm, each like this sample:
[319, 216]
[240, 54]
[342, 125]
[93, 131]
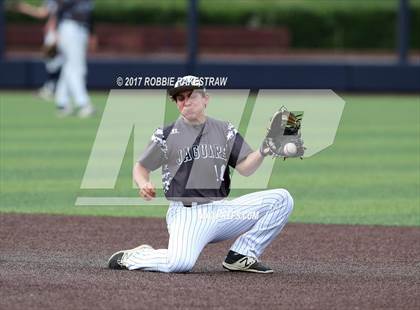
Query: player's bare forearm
[51, 24]
[142, 178]
[250, 164]
[140, 175]
[31, 10]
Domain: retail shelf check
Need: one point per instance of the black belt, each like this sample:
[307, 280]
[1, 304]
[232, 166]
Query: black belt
[189, 205]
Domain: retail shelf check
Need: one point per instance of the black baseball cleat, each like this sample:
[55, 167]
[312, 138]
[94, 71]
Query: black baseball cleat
[238, 262]
[114, 261]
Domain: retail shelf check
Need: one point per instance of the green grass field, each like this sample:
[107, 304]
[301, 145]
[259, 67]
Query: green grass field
[371, 175]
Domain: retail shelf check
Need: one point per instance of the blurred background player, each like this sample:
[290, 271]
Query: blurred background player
[74, 23]
[53, 59]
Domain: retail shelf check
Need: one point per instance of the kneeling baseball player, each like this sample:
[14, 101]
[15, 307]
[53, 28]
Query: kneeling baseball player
[195, 154]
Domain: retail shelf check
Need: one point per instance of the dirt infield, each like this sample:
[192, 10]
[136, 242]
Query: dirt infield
[57, 262]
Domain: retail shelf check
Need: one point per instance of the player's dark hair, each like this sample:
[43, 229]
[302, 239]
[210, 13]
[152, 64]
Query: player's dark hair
[203, 93]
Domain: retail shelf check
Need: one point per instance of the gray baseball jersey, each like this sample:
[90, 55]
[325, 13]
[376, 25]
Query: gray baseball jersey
[195, 160]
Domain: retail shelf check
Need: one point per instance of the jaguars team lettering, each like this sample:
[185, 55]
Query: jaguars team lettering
[203, 151]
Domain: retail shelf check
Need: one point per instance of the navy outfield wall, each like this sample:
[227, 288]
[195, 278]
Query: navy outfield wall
[30, 73]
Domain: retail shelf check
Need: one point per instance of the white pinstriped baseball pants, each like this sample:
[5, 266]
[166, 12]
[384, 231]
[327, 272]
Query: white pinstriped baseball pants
[257, 218]
[72, 42]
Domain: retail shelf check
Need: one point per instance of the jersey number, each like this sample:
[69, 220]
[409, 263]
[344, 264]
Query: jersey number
[220, 177]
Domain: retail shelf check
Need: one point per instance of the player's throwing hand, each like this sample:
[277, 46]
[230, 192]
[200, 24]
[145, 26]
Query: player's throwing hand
[147, 191]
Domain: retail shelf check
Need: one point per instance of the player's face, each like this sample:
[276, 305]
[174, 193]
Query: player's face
[191, 104]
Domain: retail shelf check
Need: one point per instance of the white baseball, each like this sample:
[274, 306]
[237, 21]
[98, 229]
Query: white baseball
[290, 149]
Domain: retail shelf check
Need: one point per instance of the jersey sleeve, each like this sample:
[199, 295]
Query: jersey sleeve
[154, 154]
[238, 149]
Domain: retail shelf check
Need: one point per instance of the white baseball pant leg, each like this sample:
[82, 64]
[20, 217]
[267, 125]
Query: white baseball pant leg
[189, 233]
[72, 42]
[256, 218]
